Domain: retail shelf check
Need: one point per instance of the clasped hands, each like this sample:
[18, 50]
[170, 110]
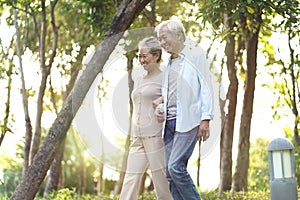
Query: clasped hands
[203, 130]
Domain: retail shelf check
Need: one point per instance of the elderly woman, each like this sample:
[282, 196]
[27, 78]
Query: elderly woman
[147, 146]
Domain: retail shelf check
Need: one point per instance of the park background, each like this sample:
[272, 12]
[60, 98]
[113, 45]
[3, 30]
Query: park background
[48, 46]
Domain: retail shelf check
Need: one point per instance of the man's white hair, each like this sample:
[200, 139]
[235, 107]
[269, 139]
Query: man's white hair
[174, 26]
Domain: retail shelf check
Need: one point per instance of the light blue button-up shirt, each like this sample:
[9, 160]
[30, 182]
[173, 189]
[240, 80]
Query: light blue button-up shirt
[194, 90]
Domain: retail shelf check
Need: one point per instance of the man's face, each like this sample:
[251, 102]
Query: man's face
[168, 40]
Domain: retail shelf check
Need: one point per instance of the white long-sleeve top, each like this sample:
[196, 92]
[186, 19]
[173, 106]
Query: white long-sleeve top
[194, 99]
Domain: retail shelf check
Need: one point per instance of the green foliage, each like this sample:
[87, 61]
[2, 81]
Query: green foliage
[108, 186]
[11, 175]
[289, 134]
[79, 21]
[90, 19]
[251, 195]
[258, 178]
[297, 163]
[62, 194]
[284, 65]
[66, 194]
[147, 196]
[98, 14]
[215, 11]
[74, 161]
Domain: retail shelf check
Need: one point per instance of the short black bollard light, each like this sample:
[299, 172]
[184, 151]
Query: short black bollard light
[283, 184]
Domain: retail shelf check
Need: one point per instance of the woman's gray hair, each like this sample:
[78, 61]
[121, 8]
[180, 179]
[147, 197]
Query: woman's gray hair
[173, 26]
[153, 45]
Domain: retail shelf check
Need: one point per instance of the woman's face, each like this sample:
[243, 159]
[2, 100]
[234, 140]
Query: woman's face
[146, 59]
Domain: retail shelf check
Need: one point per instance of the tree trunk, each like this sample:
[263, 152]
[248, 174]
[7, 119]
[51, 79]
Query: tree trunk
[102, 159]
[118, 187]
[5, 126]
[228, 125]
[28, 134]
[240, 179]
[56, 167]
[130, 56]
[45, 72]
[82, 171]
[295, 90]
[151, 186]
[142, 186]
[198, 164]
[150, 15]
[55, 170]
[100, 179]
[45, 69]
[28, 187]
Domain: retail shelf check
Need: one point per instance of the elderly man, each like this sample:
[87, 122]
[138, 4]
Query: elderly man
[187, 106]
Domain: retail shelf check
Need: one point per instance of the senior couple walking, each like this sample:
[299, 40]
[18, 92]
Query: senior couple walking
[172, 110]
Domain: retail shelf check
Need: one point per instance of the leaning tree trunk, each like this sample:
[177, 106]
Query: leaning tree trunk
[240, 179]
[56, 166]
[29, 185]
[228, 124]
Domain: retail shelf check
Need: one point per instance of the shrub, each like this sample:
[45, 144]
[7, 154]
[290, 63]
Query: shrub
[251, 195]
[67, 194]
